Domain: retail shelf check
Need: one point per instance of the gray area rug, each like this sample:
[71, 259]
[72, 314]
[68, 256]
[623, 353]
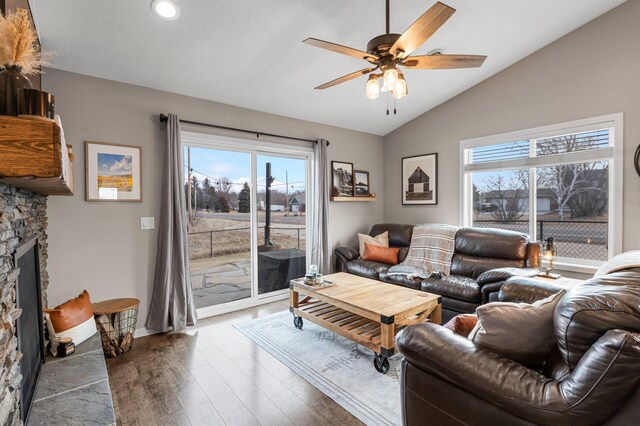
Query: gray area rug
[338, 367]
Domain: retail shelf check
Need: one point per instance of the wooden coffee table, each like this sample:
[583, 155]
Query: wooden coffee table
[366, 311]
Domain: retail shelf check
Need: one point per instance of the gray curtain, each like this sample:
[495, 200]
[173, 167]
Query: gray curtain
[320, 235]
[172, 301]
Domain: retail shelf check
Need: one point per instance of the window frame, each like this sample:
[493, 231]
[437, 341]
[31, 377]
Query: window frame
[613, 154]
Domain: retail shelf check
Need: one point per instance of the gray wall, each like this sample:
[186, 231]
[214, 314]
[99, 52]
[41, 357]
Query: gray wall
[99, 245]
[590, 72]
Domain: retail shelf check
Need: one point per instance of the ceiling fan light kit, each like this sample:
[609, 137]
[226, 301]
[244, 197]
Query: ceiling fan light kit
[388, 52]
[400, 88]
[373, 87]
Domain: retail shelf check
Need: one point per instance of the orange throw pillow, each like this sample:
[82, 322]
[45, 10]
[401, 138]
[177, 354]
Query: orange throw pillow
[71, 313]
[387, 255]
[462, 324]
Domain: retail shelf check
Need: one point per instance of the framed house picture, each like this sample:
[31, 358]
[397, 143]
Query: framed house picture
[420, 180]
[342, 178]
[361, 183]
[113, 172]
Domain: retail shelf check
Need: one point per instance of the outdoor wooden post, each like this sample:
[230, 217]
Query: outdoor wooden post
[267, 215]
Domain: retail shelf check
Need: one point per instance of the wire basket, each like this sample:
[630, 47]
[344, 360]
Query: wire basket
[116, 331]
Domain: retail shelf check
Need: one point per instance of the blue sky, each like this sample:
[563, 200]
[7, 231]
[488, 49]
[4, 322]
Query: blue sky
[114, 164]
[236, 166]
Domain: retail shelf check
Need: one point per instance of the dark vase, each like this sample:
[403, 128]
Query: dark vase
[11, 79]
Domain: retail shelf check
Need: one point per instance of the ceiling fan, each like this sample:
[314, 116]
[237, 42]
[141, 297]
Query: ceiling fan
[389, 51]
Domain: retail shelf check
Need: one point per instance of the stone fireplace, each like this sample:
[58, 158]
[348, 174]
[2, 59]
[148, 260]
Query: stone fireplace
[23, 216]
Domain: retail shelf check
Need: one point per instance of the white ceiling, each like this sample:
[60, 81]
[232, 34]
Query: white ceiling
[249, 52]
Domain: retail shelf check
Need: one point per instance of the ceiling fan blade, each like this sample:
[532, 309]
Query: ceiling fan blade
[346, 78]
[422, 29]
[441, 62]
[338, 48]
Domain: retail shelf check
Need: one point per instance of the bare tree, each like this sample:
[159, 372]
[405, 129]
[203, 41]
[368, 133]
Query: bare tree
[568, 181]
[594, 200]
[507, 195]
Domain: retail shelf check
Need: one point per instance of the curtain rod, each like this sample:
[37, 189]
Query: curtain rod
[164, 118]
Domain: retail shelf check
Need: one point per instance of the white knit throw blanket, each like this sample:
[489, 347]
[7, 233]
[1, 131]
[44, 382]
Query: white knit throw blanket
[432, 247]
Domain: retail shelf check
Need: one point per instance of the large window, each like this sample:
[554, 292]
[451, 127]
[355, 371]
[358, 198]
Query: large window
[562, 181]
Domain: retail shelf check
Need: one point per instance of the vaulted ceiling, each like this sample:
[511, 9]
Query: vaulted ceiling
[249, 53]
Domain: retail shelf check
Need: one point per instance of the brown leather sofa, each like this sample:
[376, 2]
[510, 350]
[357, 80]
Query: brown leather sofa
[591, 377]
[483, 260]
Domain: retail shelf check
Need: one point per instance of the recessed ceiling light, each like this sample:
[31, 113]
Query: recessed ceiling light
[166, 9]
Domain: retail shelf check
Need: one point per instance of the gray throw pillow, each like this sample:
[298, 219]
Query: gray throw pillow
[521, 332]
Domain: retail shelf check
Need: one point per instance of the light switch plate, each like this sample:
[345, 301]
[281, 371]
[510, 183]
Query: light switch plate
[147, 223]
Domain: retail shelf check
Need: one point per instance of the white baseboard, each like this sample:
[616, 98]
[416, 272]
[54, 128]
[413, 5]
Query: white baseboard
[144, 331]
[224, 309]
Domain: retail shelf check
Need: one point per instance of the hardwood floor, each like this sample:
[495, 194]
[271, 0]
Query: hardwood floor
[214, 375]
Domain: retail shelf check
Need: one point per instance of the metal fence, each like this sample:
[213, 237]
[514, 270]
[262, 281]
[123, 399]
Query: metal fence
[575, 239]
[203, 244]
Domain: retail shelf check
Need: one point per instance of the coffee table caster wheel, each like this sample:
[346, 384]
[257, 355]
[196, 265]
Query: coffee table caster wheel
[381, 363]
[298, 323]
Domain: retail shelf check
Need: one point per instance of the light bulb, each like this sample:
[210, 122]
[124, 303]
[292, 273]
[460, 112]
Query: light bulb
[373, 88]
[166, 9]
[400, 88]
[390, 78]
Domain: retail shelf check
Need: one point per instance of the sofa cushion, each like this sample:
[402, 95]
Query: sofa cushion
[402, 254]
[399, 235]
[489, 242]
[474, 266]
[521, 332]
[366, 268]
[592, 308]
[453, 286]
[378, 240]
[621, 262]
[402, 280]
[478, 250]
[452, 307]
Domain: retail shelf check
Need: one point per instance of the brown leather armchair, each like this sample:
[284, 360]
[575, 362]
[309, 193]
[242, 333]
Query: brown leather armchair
[591, 377]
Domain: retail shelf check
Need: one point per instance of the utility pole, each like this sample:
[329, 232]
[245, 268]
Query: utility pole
[189, 193]
[286, 173]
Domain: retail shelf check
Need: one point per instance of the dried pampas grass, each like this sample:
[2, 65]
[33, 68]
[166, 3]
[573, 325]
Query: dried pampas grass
[19, 42]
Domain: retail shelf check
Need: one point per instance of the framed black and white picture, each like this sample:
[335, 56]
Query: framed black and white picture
[420, 180]
[361, 183]
[342, 178]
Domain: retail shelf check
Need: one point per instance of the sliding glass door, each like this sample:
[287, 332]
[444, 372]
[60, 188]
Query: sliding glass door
[247, 223]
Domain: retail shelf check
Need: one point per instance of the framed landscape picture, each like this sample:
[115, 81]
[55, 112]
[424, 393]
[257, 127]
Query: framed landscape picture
[420, 179]
[342, 178]
[113, 172]
[361, 183]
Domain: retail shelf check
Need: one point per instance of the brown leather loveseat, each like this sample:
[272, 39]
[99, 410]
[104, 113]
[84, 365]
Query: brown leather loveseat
[483, 260]
[591, 377]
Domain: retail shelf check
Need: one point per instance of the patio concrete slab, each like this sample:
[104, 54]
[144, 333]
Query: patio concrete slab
[221, 284]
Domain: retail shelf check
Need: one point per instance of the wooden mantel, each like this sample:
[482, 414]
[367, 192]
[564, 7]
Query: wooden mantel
[33, 156]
